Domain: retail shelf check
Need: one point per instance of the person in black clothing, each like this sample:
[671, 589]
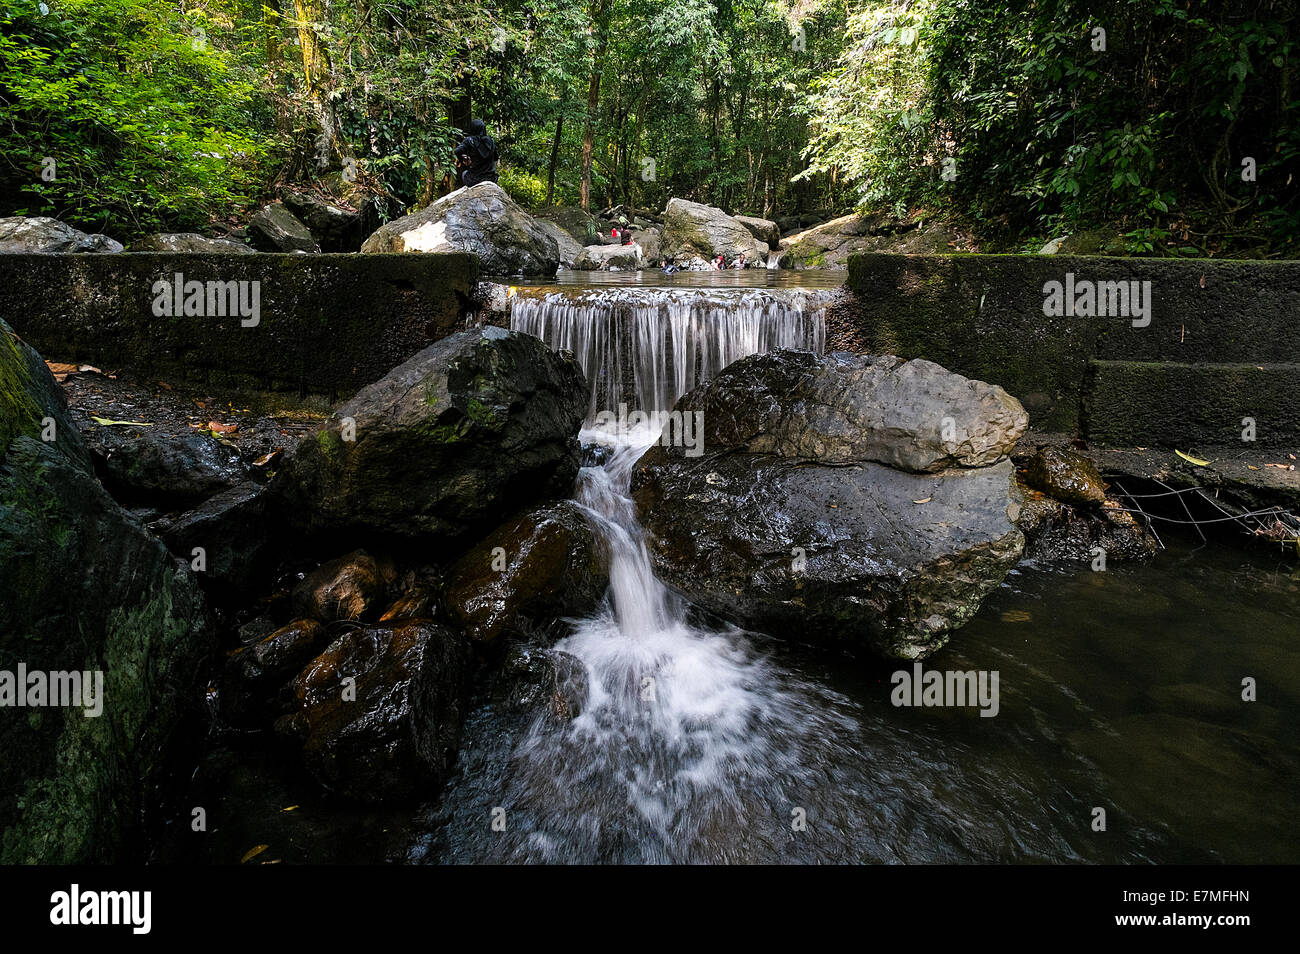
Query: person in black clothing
[476, 156]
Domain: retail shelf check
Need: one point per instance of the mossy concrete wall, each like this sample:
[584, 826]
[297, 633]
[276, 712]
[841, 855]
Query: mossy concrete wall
[328, 324]
[1223, 342]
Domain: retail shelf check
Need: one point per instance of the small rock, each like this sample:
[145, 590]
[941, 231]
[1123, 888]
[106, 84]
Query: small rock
[350, 587]
[1066, 475]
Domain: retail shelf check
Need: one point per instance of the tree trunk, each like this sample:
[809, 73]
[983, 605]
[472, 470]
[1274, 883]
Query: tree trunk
[599, 14]
[331, 149]
[555, 157]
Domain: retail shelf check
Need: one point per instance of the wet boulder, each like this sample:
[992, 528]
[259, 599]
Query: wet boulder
[351, 587]
[544, 682]
[479, 425]
[482, 220]
[379, 712]
[693, 230]
[335, 227]
[842, 499]
[165, 464]
[230, 531]
[1067, 476]
[544, 564]
[1055, 530]
[87, 590]
[48, 236]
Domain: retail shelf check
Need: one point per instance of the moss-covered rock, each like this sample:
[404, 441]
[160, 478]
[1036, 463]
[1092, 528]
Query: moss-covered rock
[86, 589]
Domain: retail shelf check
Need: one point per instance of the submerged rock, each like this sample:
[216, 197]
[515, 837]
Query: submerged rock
[379, 711]
[48, 236]
[544, 564]
[829, 506]
[87, 590]
[482, 220]
[543, 681]
[478, 425]
[693, 230]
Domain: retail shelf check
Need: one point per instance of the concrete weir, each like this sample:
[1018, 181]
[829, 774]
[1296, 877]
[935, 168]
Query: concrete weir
[319, 324]
[1218, 343]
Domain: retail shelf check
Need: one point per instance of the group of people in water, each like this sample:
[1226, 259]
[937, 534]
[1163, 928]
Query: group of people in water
[476, 160]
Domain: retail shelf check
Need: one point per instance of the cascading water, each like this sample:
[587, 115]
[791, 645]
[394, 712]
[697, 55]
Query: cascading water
[648, 346]
[692, 746]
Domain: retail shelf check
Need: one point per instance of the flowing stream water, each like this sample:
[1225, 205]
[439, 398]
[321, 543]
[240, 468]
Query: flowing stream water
[706, 743]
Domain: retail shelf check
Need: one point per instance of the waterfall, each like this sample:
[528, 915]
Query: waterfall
[692, 746]
[648, 346]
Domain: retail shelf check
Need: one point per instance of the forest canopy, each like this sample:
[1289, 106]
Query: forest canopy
[1174, 120]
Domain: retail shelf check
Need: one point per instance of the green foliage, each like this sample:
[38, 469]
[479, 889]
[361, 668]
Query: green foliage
[522, 186]
[139, 110]
[1049, 131]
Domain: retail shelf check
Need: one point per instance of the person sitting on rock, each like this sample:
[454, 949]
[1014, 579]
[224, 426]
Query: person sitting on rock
[476, 156]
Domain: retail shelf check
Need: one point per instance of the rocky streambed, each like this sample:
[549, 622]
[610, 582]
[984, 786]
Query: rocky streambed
[455, 618]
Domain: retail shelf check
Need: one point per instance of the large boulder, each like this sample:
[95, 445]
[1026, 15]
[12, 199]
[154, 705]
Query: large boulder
[598, 258]
[189, 242]
[477, 426]
[764, 230]
[379, 711]
[860, 501]
[545, 564]
[86, 590]
[693, 230]
[830, 244]
[336, 228]
[482, 220]
[569, 247]
[49, 236]
[275, 229]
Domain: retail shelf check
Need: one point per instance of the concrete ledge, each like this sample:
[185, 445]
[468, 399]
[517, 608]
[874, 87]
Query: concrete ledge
[327, 324]
[982, 315]
[1129, 403]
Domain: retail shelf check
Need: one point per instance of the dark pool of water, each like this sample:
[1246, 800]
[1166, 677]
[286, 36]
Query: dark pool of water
[1119, 690]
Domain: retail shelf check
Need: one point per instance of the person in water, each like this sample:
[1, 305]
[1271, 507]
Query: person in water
[718, 263]
[476, 156]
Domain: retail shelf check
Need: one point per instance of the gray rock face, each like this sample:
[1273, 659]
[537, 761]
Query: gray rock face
[569, 247]
[825, 510]
[764, 230]
[275, 229]
[49, 236]
[86, 588]
[189, 242]
[596, 258]
[482, 220]
[693, 230]
[335, 228]
[830, 244]
[652, 245]
[474, 427]
[845, 408]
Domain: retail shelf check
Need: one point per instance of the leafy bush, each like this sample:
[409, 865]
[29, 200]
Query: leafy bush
[120, 112]
[522, 186]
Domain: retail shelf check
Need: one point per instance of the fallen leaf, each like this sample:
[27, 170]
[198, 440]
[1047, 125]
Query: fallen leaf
[923, 500]
[107, 423]
[1016, 616]
[217, 427]
[253, 853]
[268, 457]
[1202, 281]
[89, 369]
[59, 367]
[291, 808]
[1192, 460]
[1251, 467]
[202, 405]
